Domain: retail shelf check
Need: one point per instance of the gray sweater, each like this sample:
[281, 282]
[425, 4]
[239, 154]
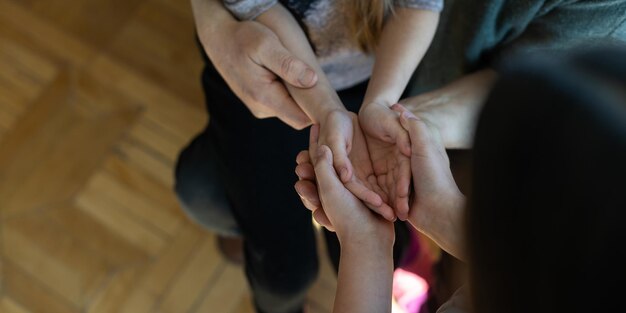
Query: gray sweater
[474, 34]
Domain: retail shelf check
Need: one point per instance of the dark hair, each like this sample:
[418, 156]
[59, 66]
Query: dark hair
[547, 216]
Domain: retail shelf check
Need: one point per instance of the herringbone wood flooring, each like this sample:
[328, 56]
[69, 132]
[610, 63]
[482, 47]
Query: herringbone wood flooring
[96, 99]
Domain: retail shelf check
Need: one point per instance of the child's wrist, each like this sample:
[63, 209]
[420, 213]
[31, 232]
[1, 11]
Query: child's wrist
[379, 101]
[324, 108]
[361, 237]
[365, 244]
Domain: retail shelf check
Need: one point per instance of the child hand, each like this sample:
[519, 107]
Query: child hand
[342, 133]
[436, 192]
[343, 212]
[390, 150]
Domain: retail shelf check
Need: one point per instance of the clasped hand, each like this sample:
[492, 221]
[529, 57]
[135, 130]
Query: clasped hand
[339, 201]
[372, 169]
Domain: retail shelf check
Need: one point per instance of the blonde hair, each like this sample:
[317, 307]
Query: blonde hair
[366, 20]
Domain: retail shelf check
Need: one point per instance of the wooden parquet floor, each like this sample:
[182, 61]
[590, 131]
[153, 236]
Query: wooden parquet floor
[96, 99]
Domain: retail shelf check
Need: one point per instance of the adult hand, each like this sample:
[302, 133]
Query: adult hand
[341, 132]
[255, 65]
[390, 149]
[346, 214]
[454, 108]
[437, 205]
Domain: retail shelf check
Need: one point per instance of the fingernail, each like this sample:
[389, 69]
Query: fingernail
[408, 115]
[307, 77]
[297, 190]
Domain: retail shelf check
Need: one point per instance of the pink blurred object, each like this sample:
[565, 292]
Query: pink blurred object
[412, 278]
[409, 290]
[417, 258]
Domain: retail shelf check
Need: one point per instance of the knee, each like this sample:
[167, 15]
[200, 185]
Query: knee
[208, 213]
[201, 195]
[286, 285]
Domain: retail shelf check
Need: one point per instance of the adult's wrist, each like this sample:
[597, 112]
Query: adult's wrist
[443, 223]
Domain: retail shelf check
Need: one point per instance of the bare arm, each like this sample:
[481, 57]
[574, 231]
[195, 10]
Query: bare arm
[454, 109]
[366, 265]
[365, 277]
[405, 39]
[219, 17]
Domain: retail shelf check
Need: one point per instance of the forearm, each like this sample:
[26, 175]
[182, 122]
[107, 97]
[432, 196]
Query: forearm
[317, 101]
[210, 16]
[365, 278]
[454, 109]
[403, 43]
[446, 229]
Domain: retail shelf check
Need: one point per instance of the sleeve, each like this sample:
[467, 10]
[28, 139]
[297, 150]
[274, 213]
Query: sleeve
[573, 24]
[430, 5]
[248, 9]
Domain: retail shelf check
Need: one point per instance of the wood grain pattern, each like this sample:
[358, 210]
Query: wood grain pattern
[97, 98]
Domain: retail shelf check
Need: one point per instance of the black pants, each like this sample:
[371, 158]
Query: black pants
[255, 163]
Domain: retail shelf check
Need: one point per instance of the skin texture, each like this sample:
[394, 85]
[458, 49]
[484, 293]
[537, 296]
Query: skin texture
[454, 108]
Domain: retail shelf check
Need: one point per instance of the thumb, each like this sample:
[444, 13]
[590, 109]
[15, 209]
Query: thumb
[415, 127]
[399, 135]
[286, 66]
[284, 107]
[313, 145]
[419, 134]
[327, 180]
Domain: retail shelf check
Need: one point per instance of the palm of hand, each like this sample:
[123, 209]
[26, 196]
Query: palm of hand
[344, 212]
[388, 144]
[358, 173]
[364, 171]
